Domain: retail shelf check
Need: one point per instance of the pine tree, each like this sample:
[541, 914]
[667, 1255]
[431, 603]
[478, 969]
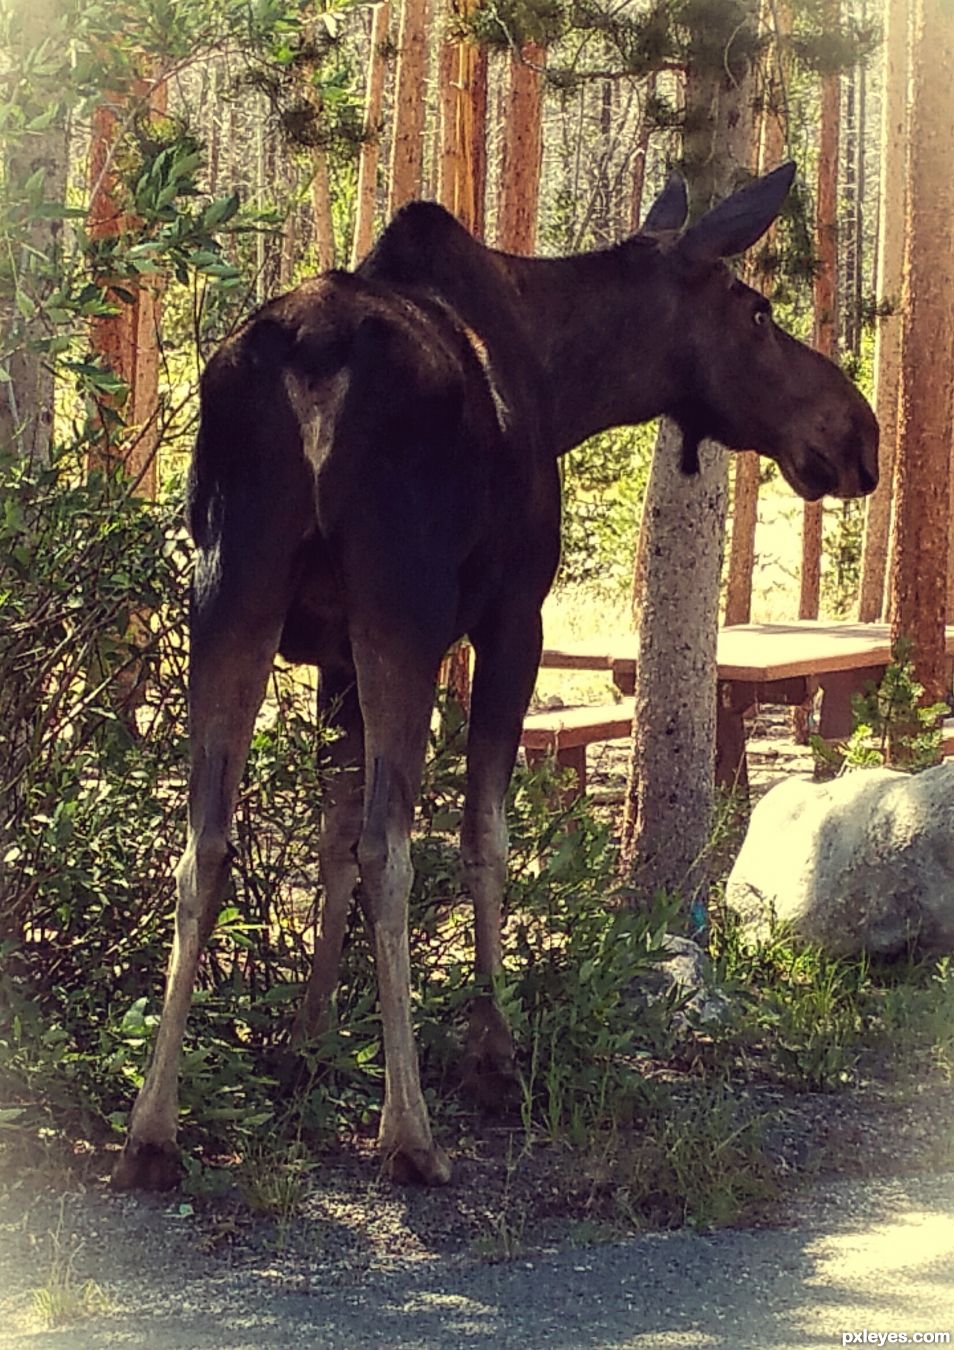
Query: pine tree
[670, 793]
[825, 334]
[887, 358]
[772, 138]
[370, 153]
[127, 341]
[923, 465]
[407, 144]
[522, 149]
[463, 129]
[39, 158]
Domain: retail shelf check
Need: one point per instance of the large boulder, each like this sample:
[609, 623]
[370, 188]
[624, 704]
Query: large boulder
[862, 863]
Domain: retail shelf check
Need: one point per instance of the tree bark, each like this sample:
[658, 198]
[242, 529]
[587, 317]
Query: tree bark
[321, 196]
[462, 168]
[745, 497]
[922, 471]
[887, 358]
[26, 398]
[638, 184]
[127, 341]
[669, 796]
[825, 336]
[407, 147]
[521, 151]
[370, 155]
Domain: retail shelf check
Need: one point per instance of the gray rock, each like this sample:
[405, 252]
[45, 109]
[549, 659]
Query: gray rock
[863, 863]
[685, 972]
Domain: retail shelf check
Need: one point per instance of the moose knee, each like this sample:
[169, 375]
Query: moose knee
[202, 874]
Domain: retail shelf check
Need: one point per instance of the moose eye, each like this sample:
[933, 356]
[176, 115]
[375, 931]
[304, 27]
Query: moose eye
[761, 316]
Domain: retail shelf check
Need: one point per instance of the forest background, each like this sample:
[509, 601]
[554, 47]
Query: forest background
[168, 165]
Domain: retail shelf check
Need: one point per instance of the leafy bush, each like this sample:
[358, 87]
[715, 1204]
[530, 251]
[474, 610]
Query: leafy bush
[890, 725]
[94, 584]
[604, 482]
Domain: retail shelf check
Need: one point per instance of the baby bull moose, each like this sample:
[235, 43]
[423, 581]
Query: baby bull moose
[376, 475]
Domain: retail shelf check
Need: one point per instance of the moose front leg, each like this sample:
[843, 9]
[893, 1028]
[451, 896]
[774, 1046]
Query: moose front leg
[507, 656]
[337, 848]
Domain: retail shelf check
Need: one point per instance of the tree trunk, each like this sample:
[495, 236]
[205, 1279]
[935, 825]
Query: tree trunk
[321, 198]
[602, 213]
[826, 307]
[127, 341]
[670, 792]
[639, 156]
[371, 144]
[861, 188]
[321, 204]
[26, 398]
[922, 471]
[851, 244]
[463, 130]
[521, 151]
[887, 360]
[745, 496]
[407, 147]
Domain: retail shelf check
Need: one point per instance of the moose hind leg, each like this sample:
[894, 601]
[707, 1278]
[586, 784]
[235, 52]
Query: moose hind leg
[396, 700]
[226, 685]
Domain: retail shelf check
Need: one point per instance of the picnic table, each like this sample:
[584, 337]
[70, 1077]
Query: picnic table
[775, 663]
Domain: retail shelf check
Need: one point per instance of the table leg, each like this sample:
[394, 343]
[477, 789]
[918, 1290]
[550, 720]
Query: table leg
[735, 698]
[571, 757]
[837, 689]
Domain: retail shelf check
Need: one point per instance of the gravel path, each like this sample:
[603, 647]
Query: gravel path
[875, 1255]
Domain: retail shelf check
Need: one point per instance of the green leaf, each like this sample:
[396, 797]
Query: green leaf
[221, 210]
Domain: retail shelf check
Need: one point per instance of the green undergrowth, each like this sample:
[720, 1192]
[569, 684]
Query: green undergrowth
[651, 1116]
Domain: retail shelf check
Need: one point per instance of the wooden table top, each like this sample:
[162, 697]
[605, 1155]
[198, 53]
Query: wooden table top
[758, 652]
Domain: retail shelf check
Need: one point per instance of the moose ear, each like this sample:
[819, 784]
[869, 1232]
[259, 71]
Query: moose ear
[669, 210]
[735, 224]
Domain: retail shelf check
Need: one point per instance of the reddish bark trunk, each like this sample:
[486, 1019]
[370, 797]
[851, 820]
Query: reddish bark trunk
[521, 152]
[826, 307]
[922, 472]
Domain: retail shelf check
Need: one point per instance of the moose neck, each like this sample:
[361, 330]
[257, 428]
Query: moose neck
[604, 329]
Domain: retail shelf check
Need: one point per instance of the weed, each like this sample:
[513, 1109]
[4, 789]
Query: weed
[911, 1017]
[63, 1298]
[273, 1179]
[800, 1010]
[696, 1159]
[504, 1238]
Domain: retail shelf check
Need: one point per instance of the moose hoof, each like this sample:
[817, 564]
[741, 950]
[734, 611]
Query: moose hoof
[491, 1082]
[417, 1164]
[148, 1167]
[489, 1073]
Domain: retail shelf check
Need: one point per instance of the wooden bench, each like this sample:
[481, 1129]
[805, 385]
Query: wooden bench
[564, 734]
